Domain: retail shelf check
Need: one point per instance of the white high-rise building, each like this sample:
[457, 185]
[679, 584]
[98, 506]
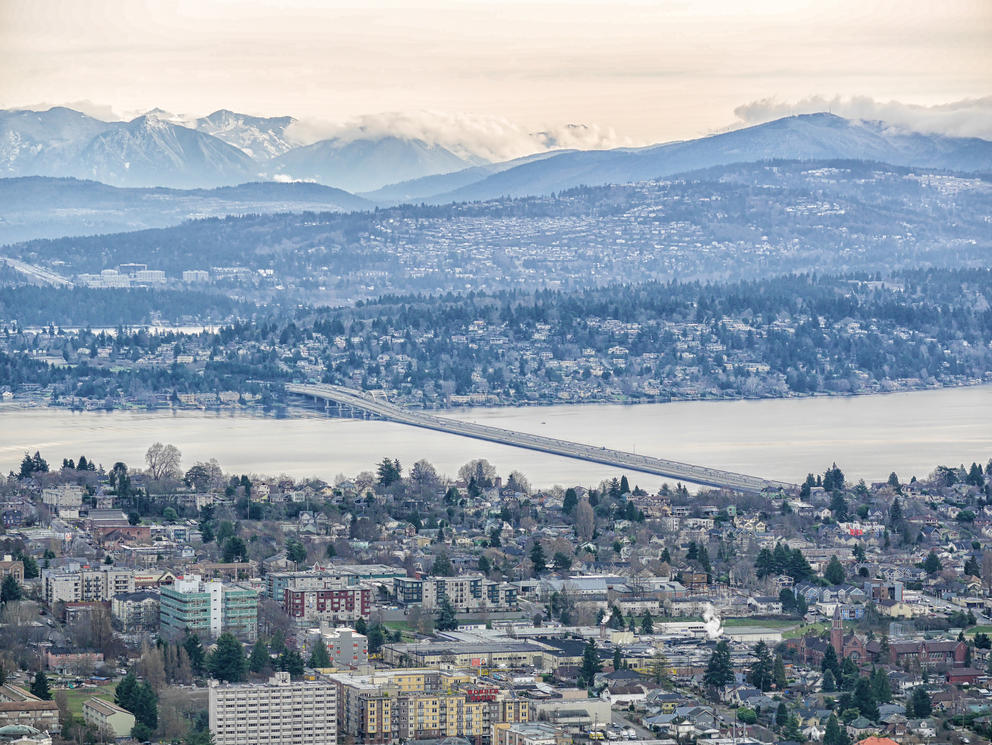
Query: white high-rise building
[280, 712]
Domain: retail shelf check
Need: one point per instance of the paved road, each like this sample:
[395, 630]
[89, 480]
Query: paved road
[36, 272]
[620, 719]
[357, 401]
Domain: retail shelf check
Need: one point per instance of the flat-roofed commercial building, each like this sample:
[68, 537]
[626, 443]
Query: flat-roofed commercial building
[280, 712]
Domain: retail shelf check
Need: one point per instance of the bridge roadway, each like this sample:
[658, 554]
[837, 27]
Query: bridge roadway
[642, 463]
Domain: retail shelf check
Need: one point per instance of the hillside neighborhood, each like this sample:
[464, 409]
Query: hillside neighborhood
[158, 603]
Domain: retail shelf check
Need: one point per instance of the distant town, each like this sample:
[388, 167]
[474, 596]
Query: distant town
[178, 603]
[649, 342]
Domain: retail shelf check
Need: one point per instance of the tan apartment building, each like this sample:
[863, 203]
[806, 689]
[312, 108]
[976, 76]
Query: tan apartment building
[107, 718]
[279, 712]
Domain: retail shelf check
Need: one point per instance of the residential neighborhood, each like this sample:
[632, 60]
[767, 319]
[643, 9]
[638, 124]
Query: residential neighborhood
[397, 606]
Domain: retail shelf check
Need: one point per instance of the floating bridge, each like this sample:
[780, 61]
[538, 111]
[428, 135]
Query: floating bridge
[350, 402]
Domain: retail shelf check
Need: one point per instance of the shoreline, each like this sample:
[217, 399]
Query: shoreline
[298, 411]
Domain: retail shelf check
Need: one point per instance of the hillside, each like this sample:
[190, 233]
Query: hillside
[806, 137]
[746, 220]
[39, 207]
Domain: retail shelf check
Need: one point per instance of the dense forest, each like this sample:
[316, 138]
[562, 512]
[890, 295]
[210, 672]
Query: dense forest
[29, 305]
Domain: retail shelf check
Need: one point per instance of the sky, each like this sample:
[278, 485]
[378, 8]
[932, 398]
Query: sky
[631, 72]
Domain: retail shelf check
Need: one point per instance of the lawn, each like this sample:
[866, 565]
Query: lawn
[764, 623]
[75, 696]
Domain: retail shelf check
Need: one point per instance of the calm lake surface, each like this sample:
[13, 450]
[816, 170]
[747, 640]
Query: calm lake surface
[868, 437]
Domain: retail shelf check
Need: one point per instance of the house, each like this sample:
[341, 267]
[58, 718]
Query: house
[860, 727]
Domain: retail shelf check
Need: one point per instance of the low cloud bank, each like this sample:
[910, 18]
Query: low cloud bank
[970, 117]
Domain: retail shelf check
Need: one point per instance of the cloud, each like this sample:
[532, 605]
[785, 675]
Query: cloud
[469, 136]
[970, 117]
[96, 110]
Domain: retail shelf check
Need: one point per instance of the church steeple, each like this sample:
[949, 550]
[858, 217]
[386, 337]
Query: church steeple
[837, 633]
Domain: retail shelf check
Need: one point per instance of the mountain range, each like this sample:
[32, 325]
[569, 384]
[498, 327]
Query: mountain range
[44, 207]
[226, 148]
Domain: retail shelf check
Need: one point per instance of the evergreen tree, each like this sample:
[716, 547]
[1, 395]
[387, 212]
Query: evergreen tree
[227, 661]
[446, 619]
[376, 638]
[319, 657]
[829, 682]
[590, 663]
[830, 662]
[389, 472]
[864, 699]
[291, 661]
[617, 658]
[932, 564]
[647, 623]
[537, 557]
[834, 734]
[719, 670]
[760, 673]
[259, 658]
[124, 693]
[10, 591]
[570, 502]
[919, 705]
[296, 552]
[834, 573]
[791, 731]
[779, 673]
[195, 651]
[39, 686]
[881, 689]
[781, 715]
[442, 566]
[616, 619]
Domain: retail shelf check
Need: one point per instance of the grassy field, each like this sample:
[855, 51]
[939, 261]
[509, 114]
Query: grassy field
[764, 623]
[75, 696]
[803, 629]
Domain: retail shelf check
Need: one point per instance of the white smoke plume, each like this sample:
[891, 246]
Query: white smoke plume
[472, 137]
[712, 623]
[970, 117]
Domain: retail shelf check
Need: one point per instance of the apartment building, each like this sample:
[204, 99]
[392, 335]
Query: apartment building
[107, 718]
[467, 592]
[279, 712]
[64, 500]
[315, 599]
[76, 584]
[18, 706]
[345, 647]
[389, 706]
[136, 611]
[208, 609]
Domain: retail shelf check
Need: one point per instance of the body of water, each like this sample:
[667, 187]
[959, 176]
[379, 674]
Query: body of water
[868, 437]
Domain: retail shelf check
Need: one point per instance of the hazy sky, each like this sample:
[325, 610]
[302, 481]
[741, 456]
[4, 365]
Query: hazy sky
[649, 71]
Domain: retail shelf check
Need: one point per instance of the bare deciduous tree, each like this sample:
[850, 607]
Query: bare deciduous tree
[163, 461]
[585, 520]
